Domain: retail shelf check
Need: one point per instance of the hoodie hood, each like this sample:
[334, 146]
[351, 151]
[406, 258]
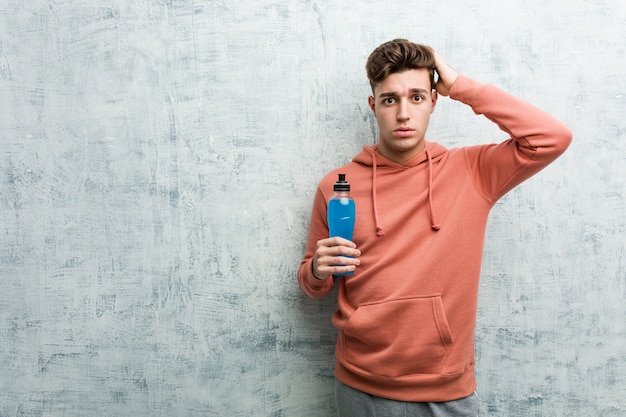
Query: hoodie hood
[370, 157]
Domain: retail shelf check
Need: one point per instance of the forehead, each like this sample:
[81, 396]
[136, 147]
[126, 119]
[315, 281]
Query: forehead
[405, 81]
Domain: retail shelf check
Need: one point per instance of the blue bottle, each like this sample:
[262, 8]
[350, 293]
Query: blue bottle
[341, 213]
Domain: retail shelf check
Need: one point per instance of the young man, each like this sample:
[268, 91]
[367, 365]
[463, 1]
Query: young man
[406, 316]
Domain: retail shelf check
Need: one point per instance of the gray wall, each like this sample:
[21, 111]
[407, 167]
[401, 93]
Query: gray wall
[158, 162]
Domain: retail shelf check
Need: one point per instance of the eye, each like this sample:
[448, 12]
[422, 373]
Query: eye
[418, 98]
[388, 100]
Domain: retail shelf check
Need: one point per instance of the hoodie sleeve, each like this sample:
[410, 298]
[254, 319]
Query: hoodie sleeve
[536, 138]
[312, 286]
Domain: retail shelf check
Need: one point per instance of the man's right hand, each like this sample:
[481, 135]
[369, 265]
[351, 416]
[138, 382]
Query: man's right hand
[331, 257]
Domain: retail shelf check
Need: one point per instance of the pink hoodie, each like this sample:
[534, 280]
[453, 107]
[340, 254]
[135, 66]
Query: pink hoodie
[406, 317]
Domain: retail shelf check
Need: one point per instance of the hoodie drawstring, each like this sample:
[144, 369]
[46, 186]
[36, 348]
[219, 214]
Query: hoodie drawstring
[379, 230]
[433, 224]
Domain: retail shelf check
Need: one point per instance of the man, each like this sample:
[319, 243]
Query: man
[406, 316]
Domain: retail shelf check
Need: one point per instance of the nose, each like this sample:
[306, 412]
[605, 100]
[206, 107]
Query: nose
[403, 111]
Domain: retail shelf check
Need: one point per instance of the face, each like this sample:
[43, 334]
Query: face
[402, 104]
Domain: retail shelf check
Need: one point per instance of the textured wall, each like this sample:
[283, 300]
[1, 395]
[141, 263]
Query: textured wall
[158, 161]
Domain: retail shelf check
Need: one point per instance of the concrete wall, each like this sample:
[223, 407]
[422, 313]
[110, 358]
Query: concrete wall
[158, 161]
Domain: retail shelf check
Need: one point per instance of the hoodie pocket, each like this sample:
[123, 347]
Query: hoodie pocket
[400, 337]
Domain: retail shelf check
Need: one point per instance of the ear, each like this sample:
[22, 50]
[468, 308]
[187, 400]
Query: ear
[372, 103]
[434, 96]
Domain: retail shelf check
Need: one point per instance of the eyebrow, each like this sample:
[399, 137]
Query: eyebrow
[412, 90]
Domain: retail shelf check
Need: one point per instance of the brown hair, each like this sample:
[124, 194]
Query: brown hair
[399, 55]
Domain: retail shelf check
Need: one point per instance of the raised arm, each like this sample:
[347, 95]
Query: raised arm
[536, 138]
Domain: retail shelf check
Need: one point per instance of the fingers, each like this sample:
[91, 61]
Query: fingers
[336, 246]
[335, 255]
[335, 265]
[335, 241]
[447, 75]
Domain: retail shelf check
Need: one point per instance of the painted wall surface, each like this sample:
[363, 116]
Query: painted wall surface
[158, 160]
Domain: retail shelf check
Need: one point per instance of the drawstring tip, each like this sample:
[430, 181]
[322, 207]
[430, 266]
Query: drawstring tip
[379, 232]
[436, 227]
